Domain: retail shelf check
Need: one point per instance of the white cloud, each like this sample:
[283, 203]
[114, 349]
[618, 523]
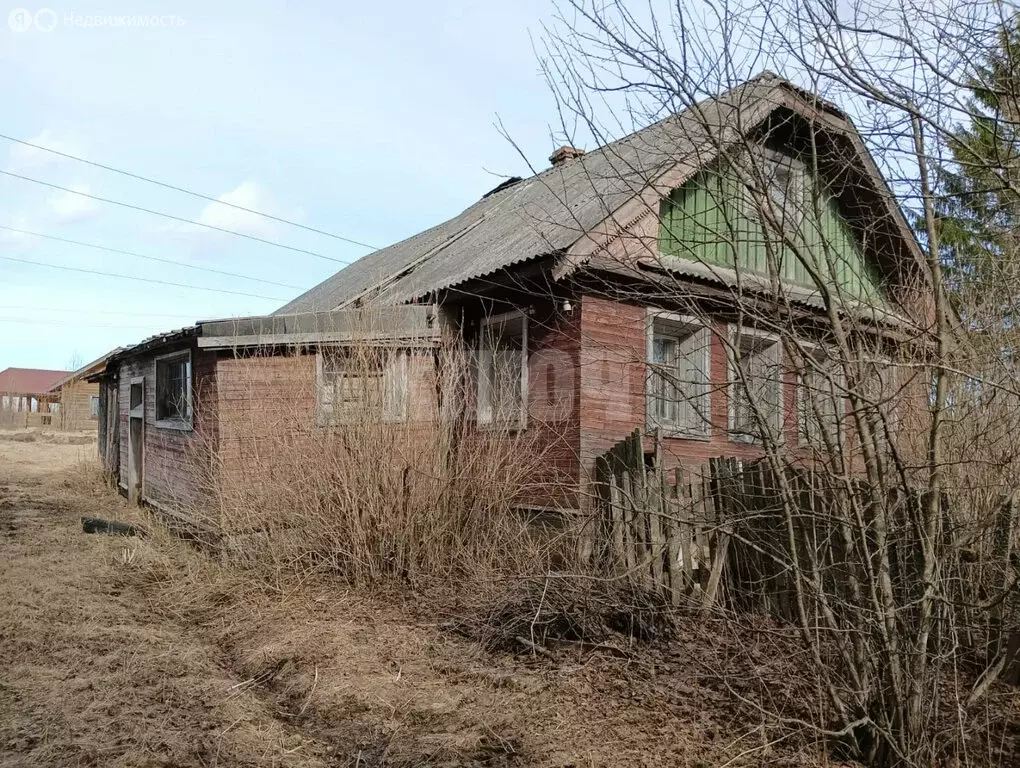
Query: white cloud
[24, 158]
[247, 194]
[67, 206]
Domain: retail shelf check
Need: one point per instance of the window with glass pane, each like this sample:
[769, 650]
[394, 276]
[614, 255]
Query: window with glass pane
[877, 393]
[677, 381]
[502, 372]
[173, 388]
[756, 404]
[784, 179]
[821, 402]
[361, 385]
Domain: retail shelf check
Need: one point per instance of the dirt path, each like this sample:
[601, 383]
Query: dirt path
[142, 652]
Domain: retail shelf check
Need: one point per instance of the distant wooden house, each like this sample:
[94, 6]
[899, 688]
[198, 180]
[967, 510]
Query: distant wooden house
[606, 293]
[78, 398]
[27, 398]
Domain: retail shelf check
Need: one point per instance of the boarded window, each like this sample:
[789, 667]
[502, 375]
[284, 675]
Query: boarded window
[503, 371]
[756, 391]
[173, 390]
[678, 375]
[360, 385]
[821, 399]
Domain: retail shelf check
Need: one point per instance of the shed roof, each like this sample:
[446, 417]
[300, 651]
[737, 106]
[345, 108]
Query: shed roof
[551, 211]
[87, 370]
[29, 381]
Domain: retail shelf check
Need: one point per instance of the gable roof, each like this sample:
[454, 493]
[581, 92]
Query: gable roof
[29, 381]
[96, 366]
[569, 210]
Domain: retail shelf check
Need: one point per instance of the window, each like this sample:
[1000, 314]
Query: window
[54, 407]
[756, 391]
[678, 374]
[503, 371]
[360, 385]
[877, 394]
[93, 406]
[821, 403]
[173, 391]
[784, 180]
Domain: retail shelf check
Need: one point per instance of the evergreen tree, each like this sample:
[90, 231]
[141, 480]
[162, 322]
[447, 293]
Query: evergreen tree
[978, 206]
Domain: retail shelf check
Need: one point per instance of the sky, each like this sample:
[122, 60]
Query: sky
[370, 121]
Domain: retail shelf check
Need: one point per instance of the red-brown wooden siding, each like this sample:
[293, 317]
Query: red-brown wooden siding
[613, 357]
[171, 479]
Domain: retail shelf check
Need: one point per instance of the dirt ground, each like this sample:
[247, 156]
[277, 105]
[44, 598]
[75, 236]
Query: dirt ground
[143, 651]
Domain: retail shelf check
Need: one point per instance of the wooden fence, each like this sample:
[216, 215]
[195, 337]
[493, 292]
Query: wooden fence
[722, 535]
[662, 530]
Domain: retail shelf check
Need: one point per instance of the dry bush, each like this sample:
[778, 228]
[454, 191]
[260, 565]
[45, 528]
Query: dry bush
[362, 494]
[539, 614]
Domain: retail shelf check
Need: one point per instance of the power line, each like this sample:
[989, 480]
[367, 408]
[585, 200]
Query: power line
[91, 311]
[199, 195]
[138, 279]
[181, 219]
[29, 321]
[149, 258]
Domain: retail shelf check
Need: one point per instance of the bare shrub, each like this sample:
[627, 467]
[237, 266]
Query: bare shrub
[538, 614]
[366, 489]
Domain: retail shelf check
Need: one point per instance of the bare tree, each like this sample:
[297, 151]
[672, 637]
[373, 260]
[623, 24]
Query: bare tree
[903, 586]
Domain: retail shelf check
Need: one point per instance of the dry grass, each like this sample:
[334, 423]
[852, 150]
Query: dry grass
[414, 502]
[145, 652]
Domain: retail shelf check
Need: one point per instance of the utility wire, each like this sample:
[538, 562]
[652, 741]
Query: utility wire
[171, 216]
[29, 321]
[91, 311]
[199, 195]
[138, 279]
[149, 258]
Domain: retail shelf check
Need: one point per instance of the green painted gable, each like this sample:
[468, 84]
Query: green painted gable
[706, 221]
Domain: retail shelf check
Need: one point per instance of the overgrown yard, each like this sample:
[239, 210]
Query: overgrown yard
[143, 652]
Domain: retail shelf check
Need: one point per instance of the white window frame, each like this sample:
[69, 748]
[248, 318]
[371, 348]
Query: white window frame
[737, 335]
[807, 425]
[187, 423]
[766, 161]
[483, 374]
[393, 407]
[681, 328]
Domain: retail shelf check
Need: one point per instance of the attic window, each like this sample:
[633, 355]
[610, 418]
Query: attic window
[785, 188]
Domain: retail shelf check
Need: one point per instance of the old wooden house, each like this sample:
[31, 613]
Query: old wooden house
[27, 398]
[609, 292]
[78, 398]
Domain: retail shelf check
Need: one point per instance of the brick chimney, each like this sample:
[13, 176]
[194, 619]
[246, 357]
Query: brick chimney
[563, 154]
